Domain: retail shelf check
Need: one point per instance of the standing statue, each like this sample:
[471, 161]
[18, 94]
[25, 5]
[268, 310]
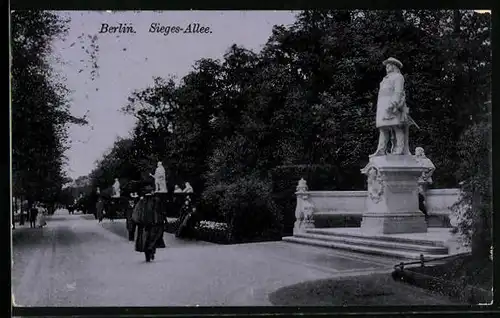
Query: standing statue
[392, 118]
[116, 189]
[160, 178]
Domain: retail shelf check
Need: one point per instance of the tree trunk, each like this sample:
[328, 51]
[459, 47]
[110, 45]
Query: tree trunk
[21, 217]
[479, 246]
[457, 19]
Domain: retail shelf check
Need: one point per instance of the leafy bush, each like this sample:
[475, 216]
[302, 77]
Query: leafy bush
[475, 205]
[284, 182]
[250, 211]
[210, 202]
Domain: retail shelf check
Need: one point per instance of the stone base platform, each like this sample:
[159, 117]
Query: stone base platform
[409, 246]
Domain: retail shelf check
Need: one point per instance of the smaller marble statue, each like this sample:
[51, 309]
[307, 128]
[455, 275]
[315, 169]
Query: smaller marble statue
[160, 178]
[98, 190]
[426, 178]
[116, 189]
[188, 188]
[177, 189]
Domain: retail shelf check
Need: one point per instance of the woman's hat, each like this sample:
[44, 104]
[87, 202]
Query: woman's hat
[393, 61]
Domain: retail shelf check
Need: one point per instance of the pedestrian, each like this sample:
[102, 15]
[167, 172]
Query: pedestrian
[40, 218]
[33, 214]
[131, 226]
[100, 208]
[150, 225]
[187, 220]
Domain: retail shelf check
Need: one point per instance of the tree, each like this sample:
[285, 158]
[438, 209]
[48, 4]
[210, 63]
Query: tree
[40, 108]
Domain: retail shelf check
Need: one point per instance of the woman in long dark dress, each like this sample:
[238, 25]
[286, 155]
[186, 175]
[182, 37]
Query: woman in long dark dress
[100, 208]
[150, 225]
[187, 219]
[131, 226]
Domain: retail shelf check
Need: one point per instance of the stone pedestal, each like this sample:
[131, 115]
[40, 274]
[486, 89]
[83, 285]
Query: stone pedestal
[164, 201]
[392, 201]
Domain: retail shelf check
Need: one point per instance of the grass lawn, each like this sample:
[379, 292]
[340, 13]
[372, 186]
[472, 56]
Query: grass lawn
[462, 270]
[365, 290]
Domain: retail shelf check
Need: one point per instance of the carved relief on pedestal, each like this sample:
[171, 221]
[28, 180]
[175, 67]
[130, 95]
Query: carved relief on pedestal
[307, 212]
[376, 183]
[304, 212]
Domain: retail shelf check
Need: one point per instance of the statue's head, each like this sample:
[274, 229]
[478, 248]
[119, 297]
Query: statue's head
[159, 164]
[392, 65]
[419, 152]
[372, 173]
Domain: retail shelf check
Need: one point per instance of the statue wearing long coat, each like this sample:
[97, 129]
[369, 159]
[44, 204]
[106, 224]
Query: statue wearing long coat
[391, 103]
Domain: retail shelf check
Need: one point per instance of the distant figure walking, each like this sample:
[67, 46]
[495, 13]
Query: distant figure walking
[33, 212]
[131, 226]
[40, 218]
[150, 226]
[100, 208]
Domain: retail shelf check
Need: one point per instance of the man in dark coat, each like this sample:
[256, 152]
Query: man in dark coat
[33, 212]
[150, 225]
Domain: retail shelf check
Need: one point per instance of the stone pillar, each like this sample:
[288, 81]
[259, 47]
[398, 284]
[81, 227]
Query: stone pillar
[392, 201]
[304, 209]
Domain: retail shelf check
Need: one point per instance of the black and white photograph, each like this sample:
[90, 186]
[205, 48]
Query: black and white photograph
[251, 158]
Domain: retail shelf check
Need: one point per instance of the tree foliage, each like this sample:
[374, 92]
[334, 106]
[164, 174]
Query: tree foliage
[40, 107]
[309, 98]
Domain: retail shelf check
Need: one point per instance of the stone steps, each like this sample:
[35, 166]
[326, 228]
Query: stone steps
[384, 238]
[355, 246]
[378, 243]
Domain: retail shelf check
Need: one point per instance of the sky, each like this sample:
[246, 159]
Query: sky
[129, 61]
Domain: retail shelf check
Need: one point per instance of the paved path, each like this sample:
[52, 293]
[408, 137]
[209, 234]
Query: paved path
[74, 261]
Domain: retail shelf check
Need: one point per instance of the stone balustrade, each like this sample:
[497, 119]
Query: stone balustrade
[345, 208]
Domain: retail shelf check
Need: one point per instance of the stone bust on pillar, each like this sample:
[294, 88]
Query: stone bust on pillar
[426, 177]
[304, 209]
[392, 117]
